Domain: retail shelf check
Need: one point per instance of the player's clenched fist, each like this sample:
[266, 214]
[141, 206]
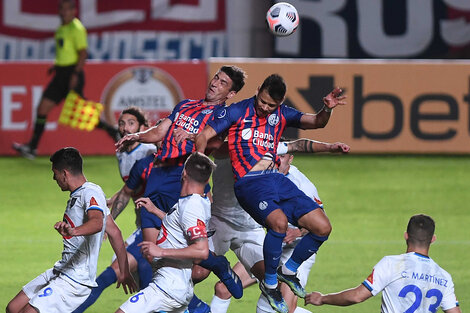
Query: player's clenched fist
[314, 298]
[64, 229]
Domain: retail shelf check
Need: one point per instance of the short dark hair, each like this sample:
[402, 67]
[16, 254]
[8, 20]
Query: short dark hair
[199, 167]
[236, 74]
[420, 230]
[138, 113]
[275, 86]
[69, 159]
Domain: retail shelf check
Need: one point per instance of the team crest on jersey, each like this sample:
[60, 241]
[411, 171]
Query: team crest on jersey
[93, 202]
[273, 119]
[371, 277]
[206, 111]
[263, 205]
[72, 202]
[222, 113]
[246, 133]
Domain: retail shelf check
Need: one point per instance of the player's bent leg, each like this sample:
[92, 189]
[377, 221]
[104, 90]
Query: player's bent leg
[220, 266]
[316, 222]
[196, 305]
[17, 303]
[28, 309]
[199, 273]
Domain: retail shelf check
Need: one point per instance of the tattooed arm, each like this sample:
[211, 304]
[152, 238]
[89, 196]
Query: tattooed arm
[121, 199]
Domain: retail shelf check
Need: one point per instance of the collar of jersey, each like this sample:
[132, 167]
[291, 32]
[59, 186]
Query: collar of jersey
[421, 255]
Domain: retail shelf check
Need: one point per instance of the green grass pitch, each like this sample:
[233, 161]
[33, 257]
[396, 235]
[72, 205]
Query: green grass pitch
[368, 199]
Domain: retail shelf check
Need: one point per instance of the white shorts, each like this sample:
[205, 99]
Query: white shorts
[51, 292]
[247, 244]
[152, 299]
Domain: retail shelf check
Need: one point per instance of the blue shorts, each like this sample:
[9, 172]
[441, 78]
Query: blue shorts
[143, 266]
[260, 193]
[163, 188]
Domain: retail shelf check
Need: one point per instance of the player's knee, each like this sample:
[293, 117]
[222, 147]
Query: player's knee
[199, 274]
[277, 222]
[10, 308]
[325, 230]
[221, 291]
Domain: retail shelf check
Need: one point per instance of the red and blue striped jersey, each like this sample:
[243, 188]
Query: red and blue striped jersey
[190, 115]
[252, 138]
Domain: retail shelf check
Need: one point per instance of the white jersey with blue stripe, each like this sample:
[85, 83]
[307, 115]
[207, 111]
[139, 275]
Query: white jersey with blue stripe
[411, 282]
[80, 254]
[127, 159]
[185, 222]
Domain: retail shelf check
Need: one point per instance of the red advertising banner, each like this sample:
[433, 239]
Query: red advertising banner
[155, 87]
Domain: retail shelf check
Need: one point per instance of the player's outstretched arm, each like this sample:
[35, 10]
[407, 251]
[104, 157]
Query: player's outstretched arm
[203, 137]
[148, 204]
[121, 199]
[117, 243]
[453, 310]
[319, 120]
[313, 146]
[152, 135]
[93, 225]
[343, 298]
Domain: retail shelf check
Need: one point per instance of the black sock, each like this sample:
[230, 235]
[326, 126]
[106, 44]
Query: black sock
[38, 130]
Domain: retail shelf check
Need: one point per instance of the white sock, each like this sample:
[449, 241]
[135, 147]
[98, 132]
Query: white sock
[301, 310]
[219, 305]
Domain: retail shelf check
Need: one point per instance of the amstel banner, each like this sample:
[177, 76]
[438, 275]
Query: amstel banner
[393, 106]
[155, 87]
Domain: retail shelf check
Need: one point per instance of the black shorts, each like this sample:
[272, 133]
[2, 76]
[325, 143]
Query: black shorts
[58, 87]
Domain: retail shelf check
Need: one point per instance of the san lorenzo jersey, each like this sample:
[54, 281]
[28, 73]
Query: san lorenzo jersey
[183, 224]
[127, 159]
[80, 253]
[139, 173]
[411, 282]
[225, 204]
[252, 138]
[191, 116]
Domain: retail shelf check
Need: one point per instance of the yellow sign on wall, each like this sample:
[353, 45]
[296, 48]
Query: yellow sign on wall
[393, 106]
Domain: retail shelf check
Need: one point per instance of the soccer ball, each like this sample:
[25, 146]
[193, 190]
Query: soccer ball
[282, 19]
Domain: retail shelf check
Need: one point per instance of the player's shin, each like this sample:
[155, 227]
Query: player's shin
[272, 250]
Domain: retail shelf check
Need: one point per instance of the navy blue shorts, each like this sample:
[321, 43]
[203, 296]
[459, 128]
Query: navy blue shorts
[163, 188]
[260, 193]
[58, 87]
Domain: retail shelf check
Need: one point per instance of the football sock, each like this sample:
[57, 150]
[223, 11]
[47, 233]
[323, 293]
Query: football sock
[214, 263]
[194, 302]
[144, 269]
[219, 305]
[38, 131]
[272, 250]
[107, 278]
[301, 310]
[307, 246]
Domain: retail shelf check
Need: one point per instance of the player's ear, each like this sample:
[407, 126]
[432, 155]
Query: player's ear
[433, 238]
[405, 235]
[231, 94]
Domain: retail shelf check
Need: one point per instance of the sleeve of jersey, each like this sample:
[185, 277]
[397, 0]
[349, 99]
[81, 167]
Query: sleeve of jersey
[192, 221]
[379, 278]
[175, 111]
[223, 118]
[292, 116]
[449, 300]
[81, 38]
[95, 201]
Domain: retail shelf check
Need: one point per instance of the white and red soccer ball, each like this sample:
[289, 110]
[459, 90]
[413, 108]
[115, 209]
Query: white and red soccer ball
[282, 19]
